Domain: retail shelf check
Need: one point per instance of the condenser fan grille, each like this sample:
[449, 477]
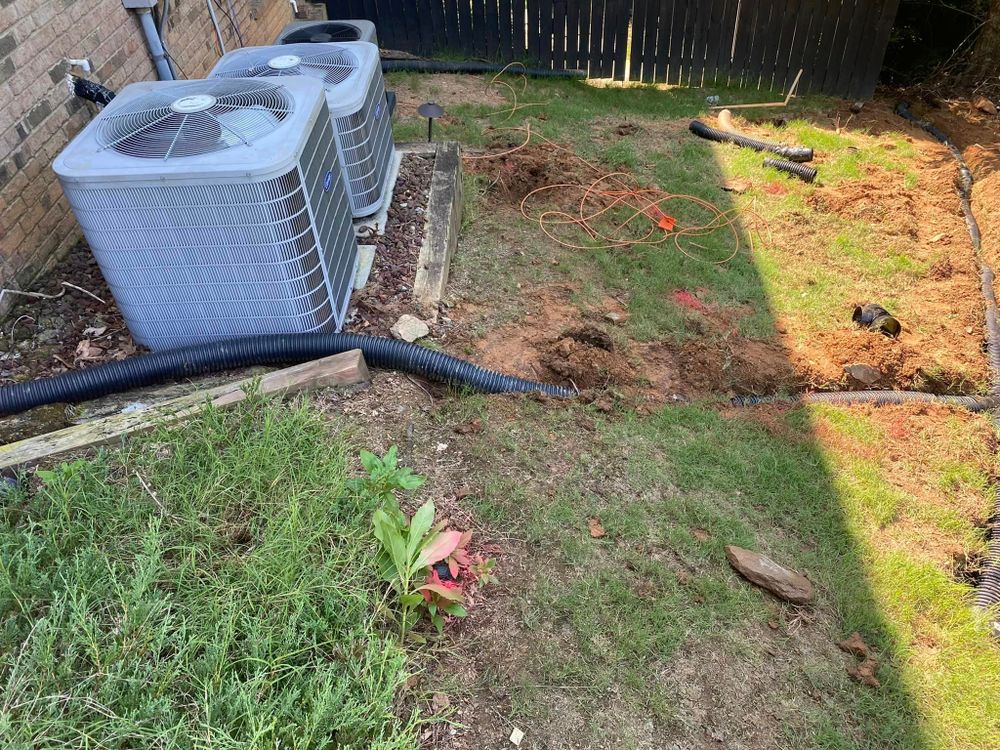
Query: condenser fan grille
[195, 118]
[331, 66]
[324, 32]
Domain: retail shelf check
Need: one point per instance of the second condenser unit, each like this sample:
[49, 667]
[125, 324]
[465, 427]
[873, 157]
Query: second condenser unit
[351, 74]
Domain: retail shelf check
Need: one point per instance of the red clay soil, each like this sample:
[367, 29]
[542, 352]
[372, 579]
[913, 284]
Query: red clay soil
[557, 341]
[940, 347]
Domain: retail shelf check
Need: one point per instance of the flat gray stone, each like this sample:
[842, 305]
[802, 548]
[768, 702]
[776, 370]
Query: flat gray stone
[864, 373]
[409, 328]
[783, 582]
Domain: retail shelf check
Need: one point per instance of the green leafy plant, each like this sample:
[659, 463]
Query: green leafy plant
[408, 550]
[428, 566]
[384, 477]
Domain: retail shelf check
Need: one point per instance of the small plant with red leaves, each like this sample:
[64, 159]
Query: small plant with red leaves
[428, 566]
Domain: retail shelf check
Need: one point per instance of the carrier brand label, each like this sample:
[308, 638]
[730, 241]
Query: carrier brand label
[328, 181]
[378, 111]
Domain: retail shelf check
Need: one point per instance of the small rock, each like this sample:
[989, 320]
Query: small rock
[985, 105]
[516, 737]
[854, 644]
[764, 572]
[863, 373]
[409, 328]
[865, 672]
[618, 318]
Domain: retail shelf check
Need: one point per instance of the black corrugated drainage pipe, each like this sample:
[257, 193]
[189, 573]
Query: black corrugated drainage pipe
[801, 171]
[964, 187]
[471, 66]
[150, 369]
[792, 153]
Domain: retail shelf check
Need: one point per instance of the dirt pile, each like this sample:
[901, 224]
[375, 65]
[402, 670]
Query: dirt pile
[512, 176]
[586, 357]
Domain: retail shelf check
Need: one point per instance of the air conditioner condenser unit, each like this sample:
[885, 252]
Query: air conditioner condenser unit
[351, 74]
[215, 209]
[298, 32]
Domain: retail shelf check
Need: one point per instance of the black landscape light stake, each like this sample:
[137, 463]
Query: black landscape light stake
[430, 110]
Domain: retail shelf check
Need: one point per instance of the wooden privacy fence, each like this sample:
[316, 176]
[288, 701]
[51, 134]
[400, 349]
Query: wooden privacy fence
[759, 44]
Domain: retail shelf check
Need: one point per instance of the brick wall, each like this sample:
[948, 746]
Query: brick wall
[38, 116]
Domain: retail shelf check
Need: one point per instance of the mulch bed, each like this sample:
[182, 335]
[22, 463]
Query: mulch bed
[389, 291]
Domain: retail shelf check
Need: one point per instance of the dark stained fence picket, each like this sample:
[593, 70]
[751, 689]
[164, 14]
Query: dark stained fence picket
[757, 44]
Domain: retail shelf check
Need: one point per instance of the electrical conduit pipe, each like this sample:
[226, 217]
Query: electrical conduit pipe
[154, 44]
[284, 349]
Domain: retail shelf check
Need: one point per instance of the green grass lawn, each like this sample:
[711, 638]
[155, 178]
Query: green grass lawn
[204, 587]
[212, 586]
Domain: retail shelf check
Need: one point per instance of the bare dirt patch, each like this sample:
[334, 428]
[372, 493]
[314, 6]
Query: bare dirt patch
[560, 341]
[446, 89]
[511, 176]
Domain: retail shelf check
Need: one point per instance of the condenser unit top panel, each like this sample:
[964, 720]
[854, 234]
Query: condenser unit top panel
[344, 68]
[207, 130]
[327, 31]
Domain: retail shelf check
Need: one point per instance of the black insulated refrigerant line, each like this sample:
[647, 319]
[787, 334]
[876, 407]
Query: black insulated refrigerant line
[390, 65]
[91, 91]
[285, 349]
[791, 153]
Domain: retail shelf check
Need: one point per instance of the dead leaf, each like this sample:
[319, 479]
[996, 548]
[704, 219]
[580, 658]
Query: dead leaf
[87, 350]
[440, 702]
[773, 624]
[854, 644]
[463, 492]
[985, 105]
[736, 185]
[95, 332]
[596, 530]
[683, 577]
[937, 237]
[701, 535]
[470, 428]
[865, 672]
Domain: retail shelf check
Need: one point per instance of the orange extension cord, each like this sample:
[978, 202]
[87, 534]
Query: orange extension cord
[613, 189]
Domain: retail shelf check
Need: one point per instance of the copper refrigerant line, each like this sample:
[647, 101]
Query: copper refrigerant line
[988, 590]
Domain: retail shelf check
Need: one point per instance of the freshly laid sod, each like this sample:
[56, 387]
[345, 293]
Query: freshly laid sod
[200, 588]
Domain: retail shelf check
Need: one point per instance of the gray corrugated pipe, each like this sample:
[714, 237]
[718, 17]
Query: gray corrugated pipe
[154, 44]
[877, 398]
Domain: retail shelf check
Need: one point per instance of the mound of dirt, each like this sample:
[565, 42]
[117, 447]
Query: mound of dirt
[512, 176]
[585, 356]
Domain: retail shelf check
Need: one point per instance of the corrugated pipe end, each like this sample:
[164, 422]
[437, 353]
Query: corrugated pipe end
[792, 153]
[803, 172]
